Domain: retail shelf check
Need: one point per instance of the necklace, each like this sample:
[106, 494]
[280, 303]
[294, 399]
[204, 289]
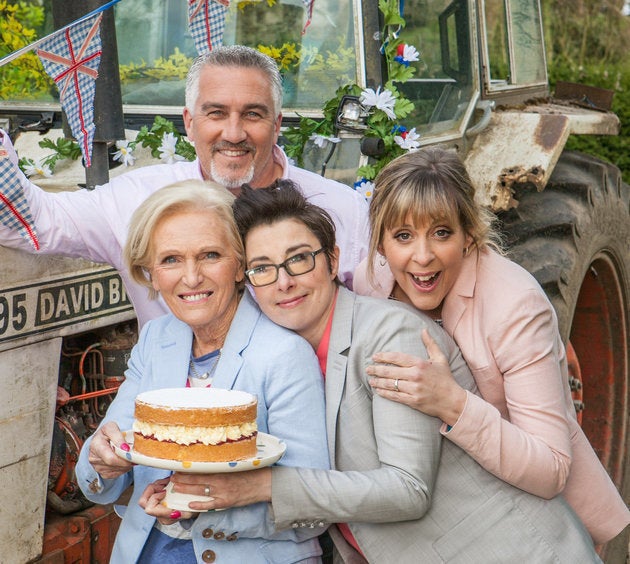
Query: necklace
[208, 374]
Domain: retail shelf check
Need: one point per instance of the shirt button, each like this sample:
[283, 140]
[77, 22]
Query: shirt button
[207, 533]
[231, 537]
[219, 536]
[208, 556]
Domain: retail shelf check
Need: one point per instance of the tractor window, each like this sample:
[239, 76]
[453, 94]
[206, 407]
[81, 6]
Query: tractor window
[442, 87]
[155, 50]
[514, 49]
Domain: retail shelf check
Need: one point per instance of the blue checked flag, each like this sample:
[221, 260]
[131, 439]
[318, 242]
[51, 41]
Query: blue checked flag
[14, 210]
[206, 22]
[71, 58]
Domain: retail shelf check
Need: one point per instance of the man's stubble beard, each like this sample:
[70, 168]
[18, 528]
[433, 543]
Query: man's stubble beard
[229, 181]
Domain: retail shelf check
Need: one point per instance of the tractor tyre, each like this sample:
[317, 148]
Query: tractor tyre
[574, 237]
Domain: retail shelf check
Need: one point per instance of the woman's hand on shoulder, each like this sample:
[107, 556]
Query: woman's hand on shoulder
[425, 385]
[101, 454]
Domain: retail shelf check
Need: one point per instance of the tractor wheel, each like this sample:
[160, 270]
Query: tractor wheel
[574, 237]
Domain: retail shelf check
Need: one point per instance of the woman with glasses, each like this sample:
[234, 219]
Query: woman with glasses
[183, 244]
[396, 492]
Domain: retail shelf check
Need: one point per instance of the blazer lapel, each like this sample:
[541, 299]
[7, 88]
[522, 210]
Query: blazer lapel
[336, 363]
[173, 355]
[462, 290]
[236, 342]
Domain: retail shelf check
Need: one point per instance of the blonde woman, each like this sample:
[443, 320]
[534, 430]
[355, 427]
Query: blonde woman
[432, 246]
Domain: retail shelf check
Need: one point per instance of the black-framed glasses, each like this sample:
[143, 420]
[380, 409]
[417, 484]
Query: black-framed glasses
[265, 274]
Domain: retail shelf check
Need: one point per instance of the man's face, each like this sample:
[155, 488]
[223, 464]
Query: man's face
[234, 127]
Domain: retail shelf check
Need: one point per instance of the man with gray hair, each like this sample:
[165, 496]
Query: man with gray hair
[233, 115]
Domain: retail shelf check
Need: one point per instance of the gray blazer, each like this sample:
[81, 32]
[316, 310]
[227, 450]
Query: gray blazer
[408, 496]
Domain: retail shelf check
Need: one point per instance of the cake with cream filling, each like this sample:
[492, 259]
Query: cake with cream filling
[196, 424]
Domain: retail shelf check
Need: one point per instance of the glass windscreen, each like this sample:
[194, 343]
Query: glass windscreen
[155, 48]
[442, 87]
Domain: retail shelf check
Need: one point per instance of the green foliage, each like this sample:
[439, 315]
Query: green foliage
[175, 67]
[62, 149]
[588, 45]
[152, 139]
[23, 78]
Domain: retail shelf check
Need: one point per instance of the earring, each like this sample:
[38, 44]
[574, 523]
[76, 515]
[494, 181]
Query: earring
[382, 260]
[466, 251]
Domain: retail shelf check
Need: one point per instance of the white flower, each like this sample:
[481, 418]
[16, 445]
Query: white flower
[323, 140]
[167, 149]
[409, 140]
[37, 168]
[384, 101]
[410, 54]
[124, 153]
[365, 188]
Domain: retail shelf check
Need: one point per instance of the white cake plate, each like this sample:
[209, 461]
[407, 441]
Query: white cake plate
[270, 450]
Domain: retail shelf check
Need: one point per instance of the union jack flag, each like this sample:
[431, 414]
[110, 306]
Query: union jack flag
[71, 58]
[14, 210]
[206, 22]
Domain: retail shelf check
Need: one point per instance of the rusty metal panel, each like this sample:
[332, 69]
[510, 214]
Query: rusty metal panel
[516, 147]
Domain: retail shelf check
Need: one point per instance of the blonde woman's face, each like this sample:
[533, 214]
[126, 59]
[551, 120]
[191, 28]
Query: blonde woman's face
[195, 268]
[425, 260]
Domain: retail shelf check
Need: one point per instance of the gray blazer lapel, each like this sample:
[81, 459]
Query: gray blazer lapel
[336, 363]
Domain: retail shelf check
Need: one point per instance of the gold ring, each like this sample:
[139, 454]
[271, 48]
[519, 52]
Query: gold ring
[396, 385]
[206, 491]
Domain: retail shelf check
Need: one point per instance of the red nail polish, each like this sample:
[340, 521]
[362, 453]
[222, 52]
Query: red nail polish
[125, 447]
[175, 514]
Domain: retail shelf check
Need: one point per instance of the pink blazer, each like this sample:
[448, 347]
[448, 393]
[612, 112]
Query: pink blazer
[524, 430]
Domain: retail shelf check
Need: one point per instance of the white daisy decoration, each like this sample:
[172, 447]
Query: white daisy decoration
[37, 168]
[323, 140]
[167, 149]
[384, 101]
[365, 188]
[408, 140]
[124, 153]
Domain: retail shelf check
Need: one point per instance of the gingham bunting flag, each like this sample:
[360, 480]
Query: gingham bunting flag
[206, 22]
[308, 6]
[71, 58]
[14, 210]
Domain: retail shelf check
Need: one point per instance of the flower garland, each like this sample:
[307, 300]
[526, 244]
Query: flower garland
[385, 107]
[163, 139]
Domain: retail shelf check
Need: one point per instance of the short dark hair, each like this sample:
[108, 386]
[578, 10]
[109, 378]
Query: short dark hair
[283, 200]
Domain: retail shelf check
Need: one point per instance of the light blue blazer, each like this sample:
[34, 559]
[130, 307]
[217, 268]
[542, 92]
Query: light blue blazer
[258, 357]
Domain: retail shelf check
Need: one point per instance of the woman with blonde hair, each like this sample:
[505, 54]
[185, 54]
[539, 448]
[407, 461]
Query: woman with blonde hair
[432, 246]
[183, 244]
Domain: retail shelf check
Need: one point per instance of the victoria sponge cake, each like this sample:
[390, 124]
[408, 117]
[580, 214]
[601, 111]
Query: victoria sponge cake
[196, 424]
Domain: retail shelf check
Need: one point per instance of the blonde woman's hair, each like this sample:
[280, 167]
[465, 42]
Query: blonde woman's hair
[180, 197]
[429, 184]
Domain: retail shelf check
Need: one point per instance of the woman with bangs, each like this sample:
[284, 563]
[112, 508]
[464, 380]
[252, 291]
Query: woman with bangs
[433, 246]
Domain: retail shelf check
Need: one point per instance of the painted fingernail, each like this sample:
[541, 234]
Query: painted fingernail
[125, 447]
[175, 514]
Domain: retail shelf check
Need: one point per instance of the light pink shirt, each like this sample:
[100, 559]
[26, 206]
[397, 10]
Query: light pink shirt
[524, 430]
[93, 224]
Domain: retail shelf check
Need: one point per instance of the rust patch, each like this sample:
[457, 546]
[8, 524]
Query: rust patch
[549, 131]
[519, 175]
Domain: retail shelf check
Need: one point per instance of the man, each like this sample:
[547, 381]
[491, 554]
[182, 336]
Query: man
[233, 116]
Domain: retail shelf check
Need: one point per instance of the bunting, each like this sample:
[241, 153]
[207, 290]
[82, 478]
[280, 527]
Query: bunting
[71, 58]
[206, 22]
[308, 6]
[14, 210]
